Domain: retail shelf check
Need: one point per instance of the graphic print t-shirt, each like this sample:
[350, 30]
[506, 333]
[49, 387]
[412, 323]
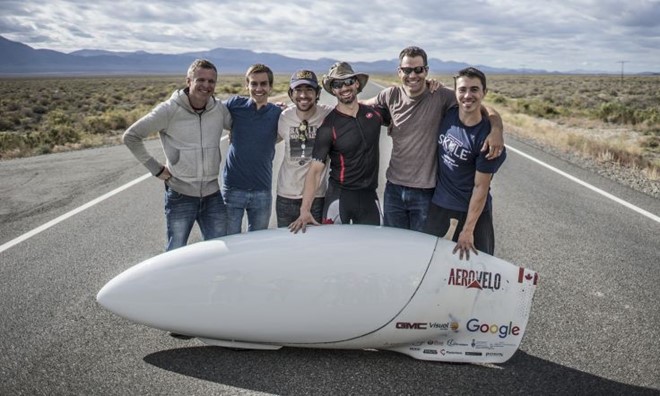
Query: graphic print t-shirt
[298, 146]
[459, 158]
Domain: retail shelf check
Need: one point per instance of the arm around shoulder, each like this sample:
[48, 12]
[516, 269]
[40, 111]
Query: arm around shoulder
[494, 143]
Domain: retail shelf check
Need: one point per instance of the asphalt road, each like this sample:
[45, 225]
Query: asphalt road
[593, 328]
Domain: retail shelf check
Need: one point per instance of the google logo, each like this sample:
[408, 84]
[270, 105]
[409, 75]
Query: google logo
[502, 331]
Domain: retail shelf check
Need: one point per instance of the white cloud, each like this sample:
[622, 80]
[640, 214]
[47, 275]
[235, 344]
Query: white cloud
[552, 35]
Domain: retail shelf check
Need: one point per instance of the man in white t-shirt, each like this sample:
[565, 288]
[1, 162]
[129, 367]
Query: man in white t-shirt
[297, 127]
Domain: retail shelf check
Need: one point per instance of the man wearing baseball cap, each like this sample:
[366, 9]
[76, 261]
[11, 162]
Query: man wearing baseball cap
[349, 136]
[298, 126]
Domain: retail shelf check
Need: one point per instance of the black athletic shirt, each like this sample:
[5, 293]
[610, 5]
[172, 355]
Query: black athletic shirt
[352, 145]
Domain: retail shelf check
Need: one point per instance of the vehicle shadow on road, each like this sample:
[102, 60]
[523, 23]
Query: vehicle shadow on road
[296, 371]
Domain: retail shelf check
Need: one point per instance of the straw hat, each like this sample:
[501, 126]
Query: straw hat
[340, 71]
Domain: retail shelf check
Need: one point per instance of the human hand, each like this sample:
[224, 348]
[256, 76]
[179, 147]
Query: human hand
[433, 84]
[494, 145]
[465, 244]
[165, 174]
[301, 222]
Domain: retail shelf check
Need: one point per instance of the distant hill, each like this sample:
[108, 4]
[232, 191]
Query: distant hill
[18, 59]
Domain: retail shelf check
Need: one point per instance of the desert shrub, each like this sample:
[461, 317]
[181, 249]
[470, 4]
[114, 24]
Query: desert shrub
[61, 136]
[39, 109]
[497, 98]
[616, 112]
[652, 143]
[10, 141]
[536, 108]
[58, 118]
[6, 124]
[95, 124]
[233, 88]
[107, 122]
[13, 106]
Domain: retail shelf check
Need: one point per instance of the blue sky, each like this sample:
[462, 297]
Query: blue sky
[594, 35]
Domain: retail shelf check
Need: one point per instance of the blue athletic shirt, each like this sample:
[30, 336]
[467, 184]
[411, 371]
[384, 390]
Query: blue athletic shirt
[459, 158]
[250, 156]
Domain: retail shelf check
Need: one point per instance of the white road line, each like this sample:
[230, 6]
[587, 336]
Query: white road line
[587, 185]
[65, 216]
[102, 198]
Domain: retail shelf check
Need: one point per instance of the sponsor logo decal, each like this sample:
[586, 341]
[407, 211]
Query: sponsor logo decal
[494, 354]
[451, 342]
[471, 279]
[411, 326]
[502, 331]
[430, 351]
[468, 353]
[445, 326]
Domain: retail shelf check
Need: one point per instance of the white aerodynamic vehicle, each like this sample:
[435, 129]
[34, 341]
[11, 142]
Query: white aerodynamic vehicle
[335, 286]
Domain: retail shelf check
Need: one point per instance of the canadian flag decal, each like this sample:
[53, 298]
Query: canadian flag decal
[527, 277]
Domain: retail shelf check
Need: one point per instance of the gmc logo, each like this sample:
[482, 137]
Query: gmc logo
[411, 326]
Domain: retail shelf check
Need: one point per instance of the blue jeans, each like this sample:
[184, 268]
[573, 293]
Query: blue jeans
[288, 210]
[182, 211]
[257, 204]
[406, 207]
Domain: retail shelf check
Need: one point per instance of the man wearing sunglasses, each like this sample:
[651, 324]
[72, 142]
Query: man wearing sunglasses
[349, 136]
[297, 127]
[416, 113]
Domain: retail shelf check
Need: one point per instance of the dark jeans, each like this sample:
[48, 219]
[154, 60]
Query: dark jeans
[438, 224]
[406, 207]
[288, 210]
[182, 211]
[256, 203]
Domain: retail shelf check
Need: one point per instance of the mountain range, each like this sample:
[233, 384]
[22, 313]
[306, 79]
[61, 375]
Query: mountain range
[20, 59]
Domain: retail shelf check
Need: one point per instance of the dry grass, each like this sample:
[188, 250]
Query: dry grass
[598, 117]
[45, 115]
[595, 116]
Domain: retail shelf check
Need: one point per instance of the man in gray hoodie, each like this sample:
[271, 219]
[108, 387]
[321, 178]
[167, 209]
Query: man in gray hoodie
[190, 125]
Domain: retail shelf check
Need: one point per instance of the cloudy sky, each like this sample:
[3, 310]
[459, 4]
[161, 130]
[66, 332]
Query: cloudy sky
[595, 35]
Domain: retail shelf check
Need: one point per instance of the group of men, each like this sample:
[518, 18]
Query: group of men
[446, 148]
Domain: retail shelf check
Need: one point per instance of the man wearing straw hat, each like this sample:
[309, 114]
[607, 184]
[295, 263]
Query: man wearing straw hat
[349, 136]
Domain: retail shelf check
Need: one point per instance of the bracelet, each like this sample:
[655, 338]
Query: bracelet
[161, 171]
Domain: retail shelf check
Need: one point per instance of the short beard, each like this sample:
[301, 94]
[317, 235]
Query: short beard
[309, 106]
[347, 101]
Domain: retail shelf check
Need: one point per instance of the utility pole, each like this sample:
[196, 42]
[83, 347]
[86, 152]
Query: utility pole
[622, 63]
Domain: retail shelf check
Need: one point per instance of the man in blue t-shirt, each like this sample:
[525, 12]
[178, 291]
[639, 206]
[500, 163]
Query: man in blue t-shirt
[462, 193]
[248, 171]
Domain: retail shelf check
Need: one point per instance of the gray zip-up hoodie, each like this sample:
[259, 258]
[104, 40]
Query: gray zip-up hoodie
[190, 140]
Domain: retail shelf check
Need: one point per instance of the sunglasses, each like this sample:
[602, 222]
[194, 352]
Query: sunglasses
[302, 130]
[336, 84]
[417, 70]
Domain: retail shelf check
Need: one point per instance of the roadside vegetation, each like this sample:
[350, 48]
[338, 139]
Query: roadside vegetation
[605, 118]
[601, 117]
[46, 115]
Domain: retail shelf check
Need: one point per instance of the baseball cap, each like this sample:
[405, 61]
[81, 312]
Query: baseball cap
[302, 77]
